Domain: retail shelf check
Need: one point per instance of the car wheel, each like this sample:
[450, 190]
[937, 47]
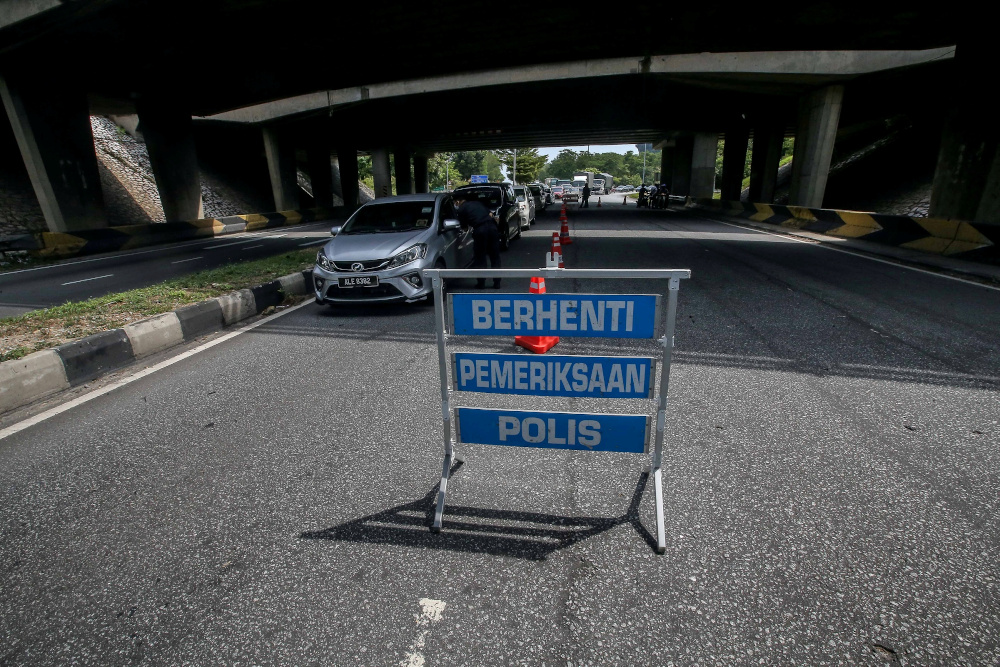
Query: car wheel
[505, 237]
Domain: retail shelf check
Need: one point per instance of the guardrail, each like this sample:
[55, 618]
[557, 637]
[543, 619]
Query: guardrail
[110, 239]
[976, 241]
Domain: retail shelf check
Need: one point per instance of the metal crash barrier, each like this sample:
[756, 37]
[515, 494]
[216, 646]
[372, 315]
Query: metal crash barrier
[635, 316]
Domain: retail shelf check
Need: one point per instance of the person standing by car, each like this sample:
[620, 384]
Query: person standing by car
[586, 196]
[485, 235]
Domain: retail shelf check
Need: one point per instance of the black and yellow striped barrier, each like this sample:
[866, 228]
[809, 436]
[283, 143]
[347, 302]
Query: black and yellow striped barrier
[110, 239]
[975, 241]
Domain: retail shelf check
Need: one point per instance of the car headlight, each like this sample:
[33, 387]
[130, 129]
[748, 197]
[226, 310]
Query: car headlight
[323, 262]
[411, 254]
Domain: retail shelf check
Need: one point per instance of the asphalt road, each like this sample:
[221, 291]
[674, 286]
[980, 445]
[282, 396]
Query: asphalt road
[830, 486]
[88, 277]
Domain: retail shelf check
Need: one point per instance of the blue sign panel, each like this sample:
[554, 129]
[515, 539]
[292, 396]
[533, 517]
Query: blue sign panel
[552, 430]
[480, 178]
[584, 315]
[553, 375]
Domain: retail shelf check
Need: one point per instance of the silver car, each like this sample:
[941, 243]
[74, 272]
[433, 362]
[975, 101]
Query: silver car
[379, 253]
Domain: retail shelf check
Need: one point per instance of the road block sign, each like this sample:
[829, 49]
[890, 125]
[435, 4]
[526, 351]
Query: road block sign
[553, 375]
[571, 315]
[479, 178]
[553, 430]
[584, 315]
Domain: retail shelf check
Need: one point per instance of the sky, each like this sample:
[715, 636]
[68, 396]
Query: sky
[616, 148]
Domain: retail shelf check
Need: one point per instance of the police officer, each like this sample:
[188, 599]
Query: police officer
[586, 196]
[485, 235]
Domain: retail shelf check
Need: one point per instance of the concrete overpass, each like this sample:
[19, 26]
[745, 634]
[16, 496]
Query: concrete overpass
[312, 81]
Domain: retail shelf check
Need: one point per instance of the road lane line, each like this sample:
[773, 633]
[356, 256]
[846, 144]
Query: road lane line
[73, 282]
[313, 242]
[431, 612]
[254, 246]
[255, 238]
[97, 393]
[181, 261]
[820, 244]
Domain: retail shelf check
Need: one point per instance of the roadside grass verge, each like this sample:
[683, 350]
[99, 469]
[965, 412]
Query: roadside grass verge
[42, 329]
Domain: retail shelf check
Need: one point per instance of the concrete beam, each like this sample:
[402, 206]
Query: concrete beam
[683, 153]
[819, 114]
[704, 152]
[767, 139]
[167, 132]
[421, 175]
[404, 182]
[380, 173]
[734, 157]
[281, 168]
[347, 159]
[51, 123]
[801, 67]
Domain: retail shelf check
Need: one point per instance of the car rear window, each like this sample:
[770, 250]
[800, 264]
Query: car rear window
[534, 188]
[488, 197]
[390, 217]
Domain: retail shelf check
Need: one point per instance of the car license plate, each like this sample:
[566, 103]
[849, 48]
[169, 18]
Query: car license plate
[357, 281]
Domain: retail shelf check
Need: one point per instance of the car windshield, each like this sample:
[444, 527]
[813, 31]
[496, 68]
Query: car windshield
[390, 217]
[535, 188]
[488, 197]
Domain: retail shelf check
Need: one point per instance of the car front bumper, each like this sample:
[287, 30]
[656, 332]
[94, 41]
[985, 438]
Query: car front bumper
[403, 283]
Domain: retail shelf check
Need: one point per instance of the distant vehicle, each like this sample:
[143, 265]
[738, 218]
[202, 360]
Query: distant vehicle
[500, 199]
[585, 176]
[525, 205]
[570, 194]
[624, 188]
[599, 186]
[557, 191]
[609, 182]
[379, 253]
[551, 181]
[548, 194]
[564, 182]
[538, 191]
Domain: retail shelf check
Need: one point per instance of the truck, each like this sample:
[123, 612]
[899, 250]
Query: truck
[609, 182]
[579, 177]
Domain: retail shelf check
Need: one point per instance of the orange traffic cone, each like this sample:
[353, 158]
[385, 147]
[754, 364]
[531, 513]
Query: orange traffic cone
[564, 232]
[537, 344]
[554, 258]
[598, 202]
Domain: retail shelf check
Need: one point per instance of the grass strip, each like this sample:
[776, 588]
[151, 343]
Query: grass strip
[42, 329]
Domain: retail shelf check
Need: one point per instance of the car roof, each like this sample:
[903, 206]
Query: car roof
[420, 196]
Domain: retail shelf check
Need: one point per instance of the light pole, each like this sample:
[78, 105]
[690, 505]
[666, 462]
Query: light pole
[644, 165]
[514, 178]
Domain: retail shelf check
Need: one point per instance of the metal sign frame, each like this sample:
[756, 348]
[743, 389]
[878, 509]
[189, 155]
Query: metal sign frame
[666, 341]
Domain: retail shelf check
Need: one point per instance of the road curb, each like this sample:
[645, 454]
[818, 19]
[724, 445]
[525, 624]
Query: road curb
[41, 374]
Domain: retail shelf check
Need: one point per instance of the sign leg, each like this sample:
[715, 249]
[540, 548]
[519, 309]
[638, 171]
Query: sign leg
[445, 475]
[661, 540]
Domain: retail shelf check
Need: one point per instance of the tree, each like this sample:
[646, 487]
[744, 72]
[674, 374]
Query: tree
[529, 163]
[562, 165]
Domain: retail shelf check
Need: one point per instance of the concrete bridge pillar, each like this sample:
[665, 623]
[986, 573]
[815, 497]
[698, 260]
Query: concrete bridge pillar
[734, 159]
[169, 139]
[683, 154]
[380, 173]
[815, 132]
[281, 167]
[967, 177]
[404, 182]
[347, 160]
[704, 151]
[51, 123]
[421, 183]
[321, 174]
[667, 162]
[767, 138]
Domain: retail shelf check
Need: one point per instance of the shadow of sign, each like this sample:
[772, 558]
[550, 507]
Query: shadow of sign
[528, 535]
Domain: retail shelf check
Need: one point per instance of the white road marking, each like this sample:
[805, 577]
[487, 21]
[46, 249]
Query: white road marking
[73, 282]
[86, 398]
[132, 254]
[856, 254]
[181, 261]
[431, 611]
[254, 246]
[314, 242]
[255, 238]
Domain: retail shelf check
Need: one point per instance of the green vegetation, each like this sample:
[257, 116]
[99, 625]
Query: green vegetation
[627, 168]
[54, 326]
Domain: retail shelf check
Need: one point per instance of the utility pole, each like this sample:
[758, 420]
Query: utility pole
[644, 165]
[514, 177]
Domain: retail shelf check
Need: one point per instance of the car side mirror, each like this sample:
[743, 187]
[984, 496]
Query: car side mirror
[335, 230]
[450, 225]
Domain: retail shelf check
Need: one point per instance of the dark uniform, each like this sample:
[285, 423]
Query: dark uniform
[485, 237]
[586, 196]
